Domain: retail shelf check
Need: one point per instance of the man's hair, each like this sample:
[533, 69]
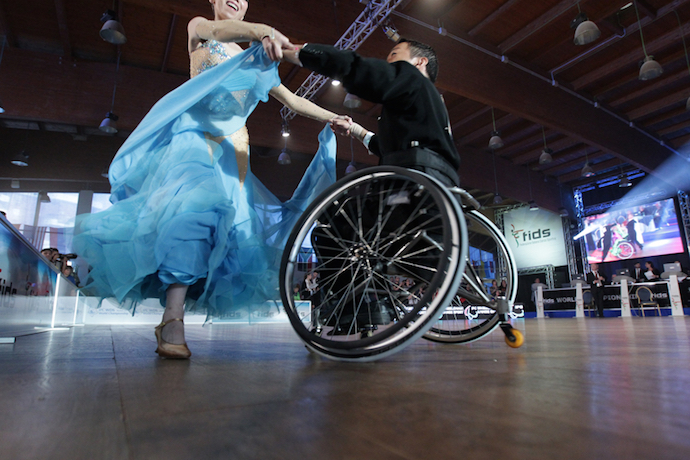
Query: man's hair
[419, 49]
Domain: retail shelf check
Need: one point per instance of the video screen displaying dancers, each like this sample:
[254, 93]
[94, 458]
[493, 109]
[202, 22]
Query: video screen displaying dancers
[633, 232]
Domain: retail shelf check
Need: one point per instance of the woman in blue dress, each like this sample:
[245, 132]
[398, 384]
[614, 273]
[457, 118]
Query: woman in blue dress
[190, 223]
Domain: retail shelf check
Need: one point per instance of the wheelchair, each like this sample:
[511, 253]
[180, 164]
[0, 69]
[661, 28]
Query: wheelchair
[391, 251]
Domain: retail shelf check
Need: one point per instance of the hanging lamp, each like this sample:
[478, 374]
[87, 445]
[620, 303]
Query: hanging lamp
[109, 123]
[284, 157]
[587, 170]
[495, 142]
[585, 30]
[546, 156]
[650, 68]
[112, 31]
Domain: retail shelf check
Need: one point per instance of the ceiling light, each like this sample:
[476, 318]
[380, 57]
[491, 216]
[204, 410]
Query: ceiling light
[43, 197]
[626, 6]
[350, 168]
[104, 173]
[585, 30]
[284, 158]
[545, 156]
[625, 182]
[533, 206]
[21, 159]
[563, 212]
[285, 130]
[109, 123]
[587, 170]
[335, 82]
[650, 69]
[14, 183]
[497, 199]
[391, 33]
[352, 102]
[2, 107]
[495, 142]
[112, 31]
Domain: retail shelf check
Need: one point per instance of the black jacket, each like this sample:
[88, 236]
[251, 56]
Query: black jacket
[413, 110]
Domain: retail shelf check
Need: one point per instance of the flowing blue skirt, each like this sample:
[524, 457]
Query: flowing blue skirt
[181, 214]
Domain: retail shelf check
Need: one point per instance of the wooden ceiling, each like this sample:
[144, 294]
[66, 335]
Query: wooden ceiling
[585, 103]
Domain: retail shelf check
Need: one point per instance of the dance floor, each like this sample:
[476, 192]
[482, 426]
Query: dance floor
[611, 388]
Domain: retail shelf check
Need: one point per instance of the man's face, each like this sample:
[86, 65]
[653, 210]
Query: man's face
[595, 267]
[637, 265]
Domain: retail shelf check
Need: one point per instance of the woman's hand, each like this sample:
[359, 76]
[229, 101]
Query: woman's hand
[275, 43]
[341, 124]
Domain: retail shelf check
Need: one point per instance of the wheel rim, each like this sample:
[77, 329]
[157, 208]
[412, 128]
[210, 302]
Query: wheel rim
[371, 313]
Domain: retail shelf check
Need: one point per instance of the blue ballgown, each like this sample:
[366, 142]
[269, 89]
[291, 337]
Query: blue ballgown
[186, 207]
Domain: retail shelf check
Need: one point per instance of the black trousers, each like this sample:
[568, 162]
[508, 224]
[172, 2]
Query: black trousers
[598, 296]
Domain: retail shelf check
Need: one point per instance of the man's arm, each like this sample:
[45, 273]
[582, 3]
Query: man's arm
[372, 79]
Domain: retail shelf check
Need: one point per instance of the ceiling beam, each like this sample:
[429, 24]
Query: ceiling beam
[492, 17]
[631, 57]
[62, 26]
[678, 97]
[168, 45]
[5, 28]
[535, 25]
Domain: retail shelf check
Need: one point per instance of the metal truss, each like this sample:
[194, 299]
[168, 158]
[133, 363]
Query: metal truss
[684, 203]
[569, 247]
[548, 269]
[580, 211]
[374, 14]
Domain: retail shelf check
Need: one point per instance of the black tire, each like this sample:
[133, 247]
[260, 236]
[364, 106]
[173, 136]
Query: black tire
[471, 314]
[369, 231]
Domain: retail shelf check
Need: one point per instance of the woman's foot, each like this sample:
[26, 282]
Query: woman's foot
[171, 349]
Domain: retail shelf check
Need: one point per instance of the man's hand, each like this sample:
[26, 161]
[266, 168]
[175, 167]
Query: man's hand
[341, 124]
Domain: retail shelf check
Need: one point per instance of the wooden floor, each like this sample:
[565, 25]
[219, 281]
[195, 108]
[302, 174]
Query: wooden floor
[608, 388]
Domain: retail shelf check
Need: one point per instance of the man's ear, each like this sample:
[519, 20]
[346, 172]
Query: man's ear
[422, 62]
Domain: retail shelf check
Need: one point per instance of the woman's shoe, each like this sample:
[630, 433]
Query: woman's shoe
[170, 350]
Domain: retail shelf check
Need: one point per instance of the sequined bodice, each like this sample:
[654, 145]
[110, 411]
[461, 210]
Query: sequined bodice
[208, 55]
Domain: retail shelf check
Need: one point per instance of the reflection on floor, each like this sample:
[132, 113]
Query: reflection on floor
[608, 388]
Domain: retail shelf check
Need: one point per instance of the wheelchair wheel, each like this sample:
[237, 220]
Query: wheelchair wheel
[389, 246]
[472, 313]
[625, 250]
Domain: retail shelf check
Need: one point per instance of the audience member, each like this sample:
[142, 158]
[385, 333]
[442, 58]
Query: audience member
[596, 280]
[651, 273]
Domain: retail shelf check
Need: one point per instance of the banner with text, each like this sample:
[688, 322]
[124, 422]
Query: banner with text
[535, 237]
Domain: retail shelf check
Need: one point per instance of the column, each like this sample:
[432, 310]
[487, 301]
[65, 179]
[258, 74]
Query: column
[579, 300]
[674, 295]
[540, 301]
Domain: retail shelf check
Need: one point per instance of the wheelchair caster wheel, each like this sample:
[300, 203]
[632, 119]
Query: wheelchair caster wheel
[514, 338]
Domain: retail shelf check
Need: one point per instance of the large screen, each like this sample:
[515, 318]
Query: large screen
[633, 232]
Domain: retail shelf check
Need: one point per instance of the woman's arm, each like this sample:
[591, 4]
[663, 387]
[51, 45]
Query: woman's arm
[231, 30]
[300, 105]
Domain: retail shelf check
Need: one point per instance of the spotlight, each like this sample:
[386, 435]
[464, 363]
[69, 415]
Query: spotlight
[350, 168]
[563, 212]
[285, 130]
[533, 205]
[391, 33]
[43, 197]
[335, 82]
[625, 182]
[497, 199]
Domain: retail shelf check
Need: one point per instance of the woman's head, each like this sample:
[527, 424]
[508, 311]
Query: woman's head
[229, 9]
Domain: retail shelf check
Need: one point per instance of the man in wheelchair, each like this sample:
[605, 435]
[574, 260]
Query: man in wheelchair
[413, 132]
